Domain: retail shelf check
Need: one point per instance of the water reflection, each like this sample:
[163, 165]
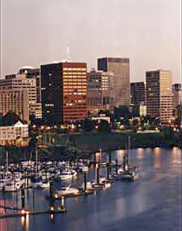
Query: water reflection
[119, 155]
[25, 222]
[157, 157]
[140, 152]
[176, 155]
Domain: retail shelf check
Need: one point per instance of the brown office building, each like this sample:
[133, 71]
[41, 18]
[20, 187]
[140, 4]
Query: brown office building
[64, 92]
[15, 101]
[159, 94]
[120, 67]
[99, 91]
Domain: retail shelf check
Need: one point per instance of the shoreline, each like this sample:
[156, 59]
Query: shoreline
[85, 144]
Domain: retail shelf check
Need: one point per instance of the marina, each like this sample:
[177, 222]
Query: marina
[153, 167]
[38, 176]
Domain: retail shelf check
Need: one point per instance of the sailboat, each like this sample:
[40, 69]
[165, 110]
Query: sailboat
[127, 172]
[10, 181]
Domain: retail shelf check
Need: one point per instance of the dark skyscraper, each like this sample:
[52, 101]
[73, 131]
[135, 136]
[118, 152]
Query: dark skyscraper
[177, 94]
[120, 67]
[64, 92]
[138, 93]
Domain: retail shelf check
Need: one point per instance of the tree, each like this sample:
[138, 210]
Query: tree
[122, 111]
[88, 125]
[104, 126]
[167, 132]
[10, 118]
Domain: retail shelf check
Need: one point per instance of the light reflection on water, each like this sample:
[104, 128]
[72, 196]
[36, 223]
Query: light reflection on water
[157, 157]
[151, 203]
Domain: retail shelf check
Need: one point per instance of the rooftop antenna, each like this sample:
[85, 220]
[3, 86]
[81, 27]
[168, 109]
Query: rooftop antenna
[68, 53]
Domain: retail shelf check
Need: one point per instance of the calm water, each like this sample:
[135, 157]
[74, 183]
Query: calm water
[153, 203]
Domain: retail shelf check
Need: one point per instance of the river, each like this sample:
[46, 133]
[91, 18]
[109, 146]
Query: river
[152, 203]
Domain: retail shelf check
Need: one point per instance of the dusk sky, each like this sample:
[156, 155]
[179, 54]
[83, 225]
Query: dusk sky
[36, 32]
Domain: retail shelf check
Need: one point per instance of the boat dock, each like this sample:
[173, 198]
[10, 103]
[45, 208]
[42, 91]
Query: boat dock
[27, 213]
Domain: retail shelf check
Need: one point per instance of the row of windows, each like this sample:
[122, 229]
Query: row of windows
[74, 79]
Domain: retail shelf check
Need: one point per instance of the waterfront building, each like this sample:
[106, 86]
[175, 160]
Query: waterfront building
[99, 91]
[15, 101]
[101, 117]
[14, 134]
[64, 92]
[21, 82]
[159, 94]
[120, 67]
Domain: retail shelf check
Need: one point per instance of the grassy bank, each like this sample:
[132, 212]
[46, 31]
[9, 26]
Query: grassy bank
[112, 141]
[68, 146]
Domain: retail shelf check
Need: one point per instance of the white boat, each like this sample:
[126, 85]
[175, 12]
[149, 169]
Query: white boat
[66, 191]
[129, 175]
[88, 185]
[120, 170]
[37, 184]
[3, 183]
[102, 180]
[12, 186]
[107, 185]
[95, 185]
[43, 184]
[46, 175]
[67, 175]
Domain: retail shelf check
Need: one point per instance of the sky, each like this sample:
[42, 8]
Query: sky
[35, 32]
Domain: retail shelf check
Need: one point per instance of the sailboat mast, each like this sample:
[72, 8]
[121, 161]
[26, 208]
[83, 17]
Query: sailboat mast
[36, 160]
[7, 160]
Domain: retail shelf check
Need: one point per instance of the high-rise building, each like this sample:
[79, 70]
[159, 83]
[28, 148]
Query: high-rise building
[15, 101]
[138, 98]
[64, 92]
[99, 91]
[137, 93]
[21, 82]
[177, 94]
[159, 94]
[121, 79]
[33, 73]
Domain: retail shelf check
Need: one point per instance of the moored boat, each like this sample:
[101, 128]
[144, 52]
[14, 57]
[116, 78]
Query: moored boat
[67, 191]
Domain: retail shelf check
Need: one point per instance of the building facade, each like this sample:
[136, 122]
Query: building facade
[14, 134]
[177, 95]
[33, 73]
[99, 91]
[138, 98]
[64, 92]
[21, 82]
[120, 67]
[137, 93]
[15, 101]
[159, 94]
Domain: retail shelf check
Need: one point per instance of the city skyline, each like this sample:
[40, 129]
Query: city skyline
[114, 29]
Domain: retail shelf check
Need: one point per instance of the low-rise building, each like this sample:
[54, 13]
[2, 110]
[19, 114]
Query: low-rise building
[101, 117]
[14, 134]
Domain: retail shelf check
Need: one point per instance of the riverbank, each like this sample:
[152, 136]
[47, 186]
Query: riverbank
[70, 146]
[112, 141]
